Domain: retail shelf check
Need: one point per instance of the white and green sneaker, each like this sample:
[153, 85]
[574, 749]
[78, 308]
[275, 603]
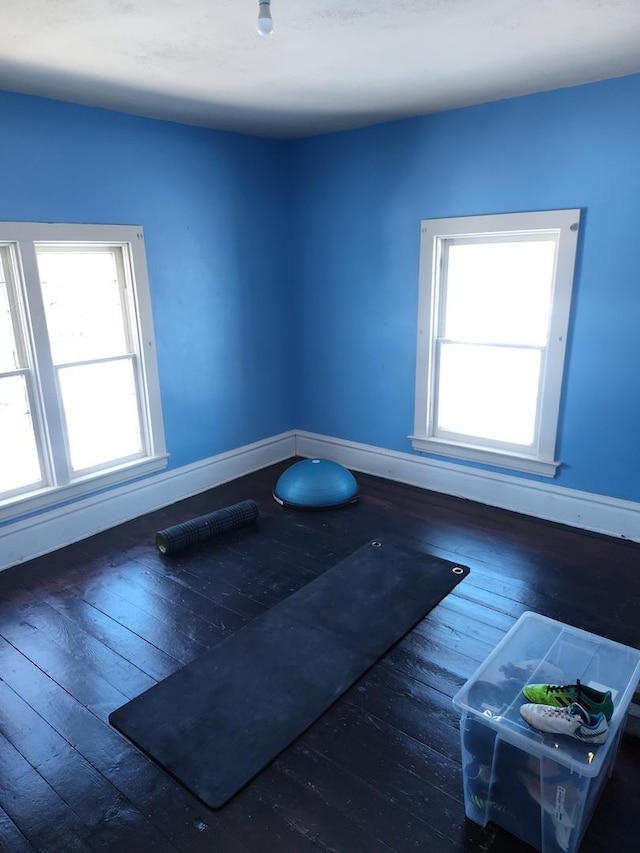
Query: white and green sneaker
[563, 695]
[573, 721]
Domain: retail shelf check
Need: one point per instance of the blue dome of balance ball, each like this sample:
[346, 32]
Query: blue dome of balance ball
[316, 484]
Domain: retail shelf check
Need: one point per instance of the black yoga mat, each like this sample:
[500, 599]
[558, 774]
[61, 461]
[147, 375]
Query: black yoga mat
[218, 721]
[204, 527]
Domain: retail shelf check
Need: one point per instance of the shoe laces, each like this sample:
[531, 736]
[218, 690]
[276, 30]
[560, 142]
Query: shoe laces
[552, 711]
[557, 688]
[574, 710]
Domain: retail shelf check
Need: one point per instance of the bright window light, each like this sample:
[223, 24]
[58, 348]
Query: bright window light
[488, 392]
[83, 303]
[101, 413]
[499, 292]
[19, 462]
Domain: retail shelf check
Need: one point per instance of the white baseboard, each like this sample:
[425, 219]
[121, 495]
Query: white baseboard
[48, 531]
[587, 511]
[31, 537]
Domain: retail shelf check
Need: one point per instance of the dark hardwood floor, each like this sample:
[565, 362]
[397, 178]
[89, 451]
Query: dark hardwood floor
[86, 628]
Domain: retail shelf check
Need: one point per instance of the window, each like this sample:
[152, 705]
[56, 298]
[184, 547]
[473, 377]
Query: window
[79, 396]
[495, 293]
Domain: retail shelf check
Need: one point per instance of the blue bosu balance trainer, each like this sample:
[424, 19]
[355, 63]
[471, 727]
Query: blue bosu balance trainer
[316, 484]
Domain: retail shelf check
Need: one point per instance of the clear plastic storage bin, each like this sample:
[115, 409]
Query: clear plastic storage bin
[541, 787]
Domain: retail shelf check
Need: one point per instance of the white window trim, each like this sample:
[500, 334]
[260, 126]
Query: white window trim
[24, 236]
[564, 224]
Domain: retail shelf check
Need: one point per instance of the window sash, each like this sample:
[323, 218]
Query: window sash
[121, 261]
[439, 340]
[441, 295]
[468, 437]
[39, 481]
[73, 472]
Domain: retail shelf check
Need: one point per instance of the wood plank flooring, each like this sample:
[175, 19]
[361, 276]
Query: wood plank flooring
[92, 625]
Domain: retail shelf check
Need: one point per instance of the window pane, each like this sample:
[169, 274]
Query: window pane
[83, 304]
[489, 392]
[101, 412]
[499, 292]
[19, 463]
[8, 350]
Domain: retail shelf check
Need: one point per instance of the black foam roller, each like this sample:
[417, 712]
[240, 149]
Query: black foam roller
[206, 526]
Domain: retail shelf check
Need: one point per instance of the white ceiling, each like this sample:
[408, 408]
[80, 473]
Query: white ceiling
[330, 64]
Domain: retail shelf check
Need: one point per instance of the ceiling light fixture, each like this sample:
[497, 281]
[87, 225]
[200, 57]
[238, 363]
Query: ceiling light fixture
[265, 21]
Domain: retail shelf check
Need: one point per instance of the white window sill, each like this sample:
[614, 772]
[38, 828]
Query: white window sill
[499, 458]
[51, 495]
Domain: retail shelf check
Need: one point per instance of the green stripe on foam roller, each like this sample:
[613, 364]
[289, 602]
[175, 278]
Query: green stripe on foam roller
[205, 527]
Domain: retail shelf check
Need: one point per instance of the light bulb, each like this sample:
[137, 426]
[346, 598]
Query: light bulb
[265, 21]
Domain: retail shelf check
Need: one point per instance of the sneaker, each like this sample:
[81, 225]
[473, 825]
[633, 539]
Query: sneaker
[525, 669]
[482, 804]
[573, 721]
[592, 700]
[478, 773]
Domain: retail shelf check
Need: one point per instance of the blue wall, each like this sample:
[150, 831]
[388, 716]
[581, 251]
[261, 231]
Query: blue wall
[361, 197]
[214, 208]
[284, 276]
